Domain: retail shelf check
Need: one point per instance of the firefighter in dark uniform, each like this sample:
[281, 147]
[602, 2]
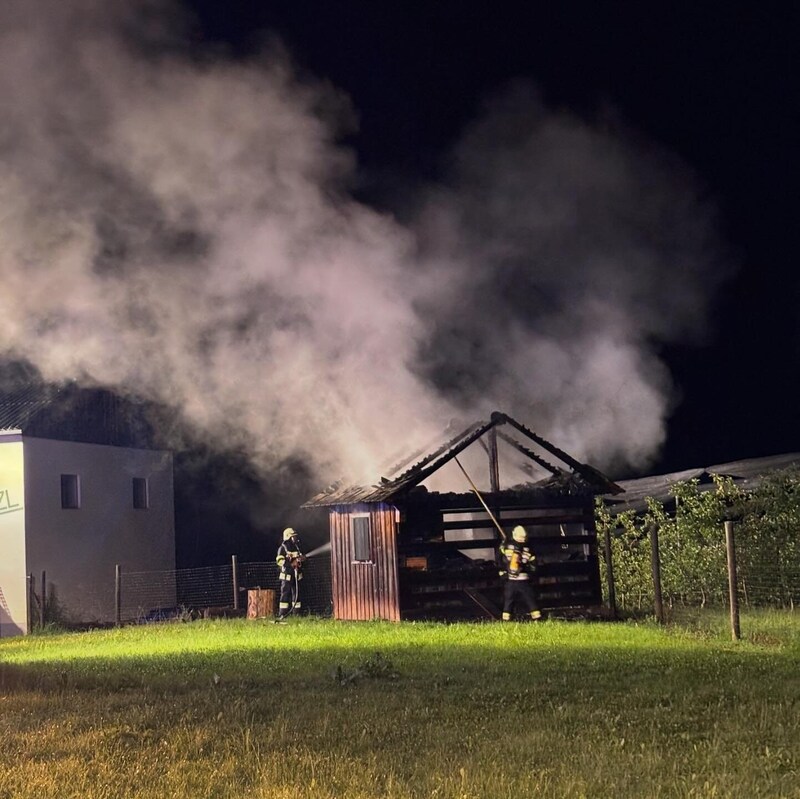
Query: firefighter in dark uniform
[518, 564]
[290, 562]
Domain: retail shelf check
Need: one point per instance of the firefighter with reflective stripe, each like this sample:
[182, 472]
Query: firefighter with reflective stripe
[290, 562]
[518, 563]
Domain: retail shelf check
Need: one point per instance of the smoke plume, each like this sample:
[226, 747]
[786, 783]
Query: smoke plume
[571, 254]
[179, 227]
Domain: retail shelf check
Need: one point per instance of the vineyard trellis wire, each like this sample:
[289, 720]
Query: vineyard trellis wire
[693, 563]
[764, 580]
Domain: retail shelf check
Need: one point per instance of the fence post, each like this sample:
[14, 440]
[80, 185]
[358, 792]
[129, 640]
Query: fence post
[655, 564]
[235, 578]
[117, 595]
[612, 591]
[730, 547]
[42, 606]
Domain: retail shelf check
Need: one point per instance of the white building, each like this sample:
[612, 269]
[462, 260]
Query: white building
[74, 508]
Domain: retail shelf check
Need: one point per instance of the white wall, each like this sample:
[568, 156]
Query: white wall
[78, 548]
[13, 580]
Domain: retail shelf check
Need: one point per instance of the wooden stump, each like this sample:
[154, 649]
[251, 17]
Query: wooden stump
[260, 603]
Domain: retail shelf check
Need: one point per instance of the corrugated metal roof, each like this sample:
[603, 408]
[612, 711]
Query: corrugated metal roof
[20, 406]
[390, 487]
[756, 467]
[745, 473]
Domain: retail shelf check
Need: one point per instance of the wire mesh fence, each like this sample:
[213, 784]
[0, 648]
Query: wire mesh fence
[691, 575]
[215, 590]
[663, 573]
[675, 576]
[767, 578]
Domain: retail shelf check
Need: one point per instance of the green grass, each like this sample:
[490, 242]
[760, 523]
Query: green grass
[250, 709]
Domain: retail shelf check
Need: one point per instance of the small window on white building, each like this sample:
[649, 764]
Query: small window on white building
[70, 491]
[362, 545]
[141, 494]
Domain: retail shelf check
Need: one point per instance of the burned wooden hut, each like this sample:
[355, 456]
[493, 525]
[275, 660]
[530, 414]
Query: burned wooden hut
[400, 550]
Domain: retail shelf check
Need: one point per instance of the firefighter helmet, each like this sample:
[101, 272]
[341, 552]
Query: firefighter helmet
[289, 533]
[519, 534]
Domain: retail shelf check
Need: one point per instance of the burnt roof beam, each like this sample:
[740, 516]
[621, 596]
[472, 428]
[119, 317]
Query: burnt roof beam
[447, 453]
[403, 462]
[429, 457]
[554, 470]
[584, 470]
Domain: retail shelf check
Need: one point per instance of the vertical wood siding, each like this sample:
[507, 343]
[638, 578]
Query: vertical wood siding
[364, 591]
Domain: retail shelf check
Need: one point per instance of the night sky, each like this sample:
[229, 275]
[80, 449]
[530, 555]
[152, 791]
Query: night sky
[714, 83]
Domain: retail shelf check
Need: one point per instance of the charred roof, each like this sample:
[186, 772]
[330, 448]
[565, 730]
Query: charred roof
[565, 478]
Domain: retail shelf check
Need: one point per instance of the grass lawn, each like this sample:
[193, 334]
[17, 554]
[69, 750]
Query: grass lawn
[250, 709]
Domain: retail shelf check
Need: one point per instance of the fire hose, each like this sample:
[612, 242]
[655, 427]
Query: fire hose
[296, 592]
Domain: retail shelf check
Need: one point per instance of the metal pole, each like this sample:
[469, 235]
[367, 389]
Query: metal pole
[43, 605]
[730, 547]
[655, 563]
[31, 599]
[117, 595]
[235, 578]
[478, 495]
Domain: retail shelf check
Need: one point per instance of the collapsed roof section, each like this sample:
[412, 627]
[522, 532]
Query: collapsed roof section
[402, 477]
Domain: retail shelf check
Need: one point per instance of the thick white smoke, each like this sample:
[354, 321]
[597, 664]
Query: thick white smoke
[181, 229]
[573, 253]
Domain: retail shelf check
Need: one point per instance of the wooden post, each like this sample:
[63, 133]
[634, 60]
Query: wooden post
[655, 563]
[612, 591]
[734, 597]
[43, 604]
[235, 578]
[117, 595]
[494, 464]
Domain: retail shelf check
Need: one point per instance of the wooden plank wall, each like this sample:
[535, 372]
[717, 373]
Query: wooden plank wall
[569, 583]
[364, 591]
